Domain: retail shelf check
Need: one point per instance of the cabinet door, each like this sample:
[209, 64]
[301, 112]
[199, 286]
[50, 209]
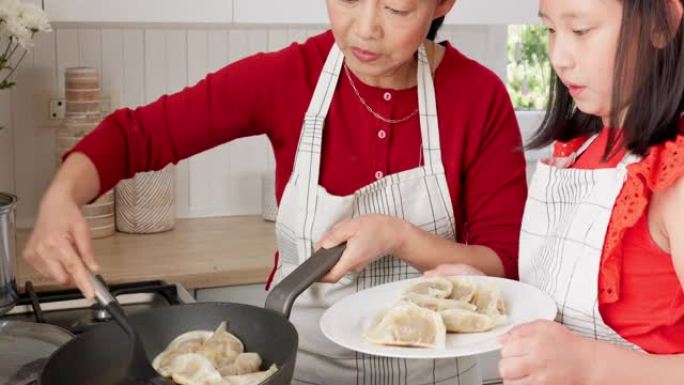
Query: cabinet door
[314, 11]
[494, 12]
[280, 11]
[254, 295]
[140, 11]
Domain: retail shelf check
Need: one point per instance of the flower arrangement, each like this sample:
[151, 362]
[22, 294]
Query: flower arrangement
[19, 23]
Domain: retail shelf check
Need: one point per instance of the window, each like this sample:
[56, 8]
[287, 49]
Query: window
[528, 70]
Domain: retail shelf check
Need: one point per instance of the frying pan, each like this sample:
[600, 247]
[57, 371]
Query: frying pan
[101, 355]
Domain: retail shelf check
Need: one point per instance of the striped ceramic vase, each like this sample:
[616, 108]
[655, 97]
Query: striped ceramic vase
[146, 203]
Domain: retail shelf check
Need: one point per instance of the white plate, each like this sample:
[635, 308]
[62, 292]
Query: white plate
[345, 321]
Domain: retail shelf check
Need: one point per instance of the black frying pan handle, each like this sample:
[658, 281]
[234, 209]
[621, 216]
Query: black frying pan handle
[282, 296]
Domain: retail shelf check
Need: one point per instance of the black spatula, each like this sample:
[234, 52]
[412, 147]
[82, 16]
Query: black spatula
[139, 371]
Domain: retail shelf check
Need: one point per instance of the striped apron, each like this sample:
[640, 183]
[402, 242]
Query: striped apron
[419, 196]
[563, 230]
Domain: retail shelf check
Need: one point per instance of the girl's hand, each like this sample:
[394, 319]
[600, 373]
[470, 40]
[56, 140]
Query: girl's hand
[546, 352]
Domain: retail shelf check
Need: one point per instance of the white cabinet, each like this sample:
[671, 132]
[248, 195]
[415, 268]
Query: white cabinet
[254, 295]
[140, 11]
[529, 122]
[314, 11]
[306, 12]
[494, 12]
[280, 11]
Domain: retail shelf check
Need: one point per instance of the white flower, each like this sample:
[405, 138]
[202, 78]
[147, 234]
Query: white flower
[34, 19]
[8, 11]
[17, 31]
[20, 21]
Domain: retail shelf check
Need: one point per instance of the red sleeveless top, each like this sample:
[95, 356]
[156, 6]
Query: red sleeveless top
[640, 295]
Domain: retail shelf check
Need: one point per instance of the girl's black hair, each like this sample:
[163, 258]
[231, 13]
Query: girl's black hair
[648, 79]
[434, 28]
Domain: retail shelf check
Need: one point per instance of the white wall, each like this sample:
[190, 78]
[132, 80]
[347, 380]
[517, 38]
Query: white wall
[137, 66]
[267, 12]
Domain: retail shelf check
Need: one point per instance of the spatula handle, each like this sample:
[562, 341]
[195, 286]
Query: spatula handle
[102, 294]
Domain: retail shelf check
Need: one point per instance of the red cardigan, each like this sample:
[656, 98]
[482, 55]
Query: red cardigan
[269, 93]
[640, 295]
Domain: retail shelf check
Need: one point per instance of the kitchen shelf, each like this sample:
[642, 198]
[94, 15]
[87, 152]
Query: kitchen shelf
[198, 253]
[300, 12]
[140, 11]
[314, 12]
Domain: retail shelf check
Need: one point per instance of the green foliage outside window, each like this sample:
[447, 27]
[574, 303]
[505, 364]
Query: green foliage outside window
[528, 66]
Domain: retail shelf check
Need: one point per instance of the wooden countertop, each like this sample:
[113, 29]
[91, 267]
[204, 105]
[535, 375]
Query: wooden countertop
[198, 253]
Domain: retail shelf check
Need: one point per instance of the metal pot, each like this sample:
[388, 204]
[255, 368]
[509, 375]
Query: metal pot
[8, 283]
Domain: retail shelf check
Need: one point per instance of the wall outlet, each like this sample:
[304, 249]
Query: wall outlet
[57, 108]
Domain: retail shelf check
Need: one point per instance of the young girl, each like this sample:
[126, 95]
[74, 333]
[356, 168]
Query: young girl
[603, 230]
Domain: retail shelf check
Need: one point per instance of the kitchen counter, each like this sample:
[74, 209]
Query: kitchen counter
[198, 253]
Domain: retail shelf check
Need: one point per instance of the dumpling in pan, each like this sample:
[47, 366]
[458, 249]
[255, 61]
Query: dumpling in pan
[488, 300]
[466, 321]
[221, 347]
[252, 378]
[407, 324]
[245, 363]
[464, 288]
[189, 342]
[194, 369]
[437, 304]
[433, 287]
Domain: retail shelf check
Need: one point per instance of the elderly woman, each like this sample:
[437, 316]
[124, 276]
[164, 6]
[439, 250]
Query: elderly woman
[403, 148]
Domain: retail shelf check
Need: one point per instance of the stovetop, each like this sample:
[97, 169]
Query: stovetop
[69, 310]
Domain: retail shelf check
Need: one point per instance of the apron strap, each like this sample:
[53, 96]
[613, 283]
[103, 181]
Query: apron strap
[628, 159]
[429, 124]
[585, 146]
[308, 160]
[311, 138]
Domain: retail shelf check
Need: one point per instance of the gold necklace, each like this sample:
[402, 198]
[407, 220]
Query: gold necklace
[377, 115]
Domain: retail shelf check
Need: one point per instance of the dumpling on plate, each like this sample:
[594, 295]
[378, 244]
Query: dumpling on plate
[437, 304]
[407, 324]
[466, 321]
[244, 363]
[194, 369]
[433, 287]
[489, 300]
[252, 378]
[463, 289]
[189, 342]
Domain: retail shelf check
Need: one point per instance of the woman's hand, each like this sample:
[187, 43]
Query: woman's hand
[452, 269]
[546, 352]
[60, 243]
[368, 238]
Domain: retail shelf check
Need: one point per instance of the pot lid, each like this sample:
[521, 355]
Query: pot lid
[25, 348]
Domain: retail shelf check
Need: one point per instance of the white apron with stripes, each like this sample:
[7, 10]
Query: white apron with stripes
[563, 231]
[307, 211]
